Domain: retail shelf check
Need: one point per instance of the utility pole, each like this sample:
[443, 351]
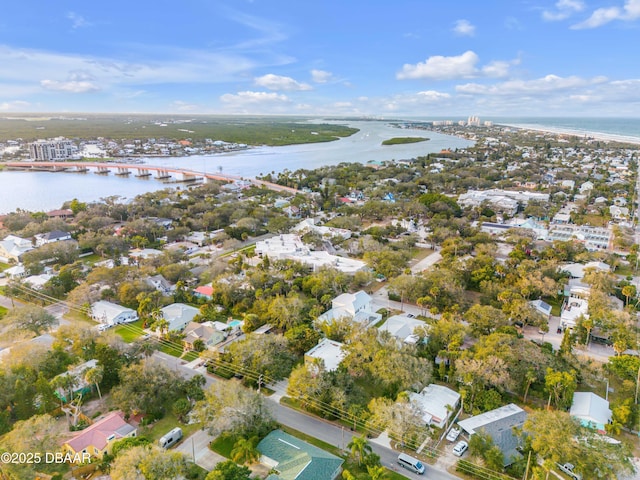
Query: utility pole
[260, 378]
[526, 472]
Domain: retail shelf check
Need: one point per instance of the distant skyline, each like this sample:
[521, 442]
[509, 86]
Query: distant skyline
[377, 58]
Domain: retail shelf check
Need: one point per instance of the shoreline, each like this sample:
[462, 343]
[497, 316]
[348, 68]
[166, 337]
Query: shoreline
[603, 137]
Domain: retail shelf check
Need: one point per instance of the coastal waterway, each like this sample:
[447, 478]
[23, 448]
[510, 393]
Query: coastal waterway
[44, 191]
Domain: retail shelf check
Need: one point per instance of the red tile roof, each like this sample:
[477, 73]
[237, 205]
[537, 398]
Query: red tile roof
[97, 434]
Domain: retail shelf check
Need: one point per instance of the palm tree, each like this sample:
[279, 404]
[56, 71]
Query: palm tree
[359, 448]
[94, 375]
[377, 472]
[529, 377]
[245, 451]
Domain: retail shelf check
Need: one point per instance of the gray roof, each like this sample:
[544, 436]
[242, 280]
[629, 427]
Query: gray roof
[499, 424]
[298, 460]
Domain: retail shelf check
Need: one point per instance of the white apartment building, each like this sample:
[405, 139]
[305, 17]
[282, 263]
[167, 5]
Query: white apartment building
[593, 238]
[52, 150]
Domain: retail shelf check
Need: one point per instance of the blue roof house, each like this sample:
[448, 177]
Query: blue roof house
[293, 459]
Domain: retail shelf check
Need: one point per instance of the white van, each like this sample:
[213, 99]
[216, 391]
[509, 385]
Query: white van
[410, 463]
[168, 440]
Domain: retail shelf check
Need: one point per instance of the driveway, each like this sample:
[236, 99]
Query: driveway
[196, 447]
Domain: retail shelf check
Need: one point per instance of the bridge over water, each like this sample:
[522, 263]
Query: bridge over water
[142, 170]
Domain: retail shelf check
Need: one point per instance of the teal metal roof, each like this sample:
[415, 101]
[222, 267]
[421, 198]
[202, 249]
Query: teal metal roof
[298, 460]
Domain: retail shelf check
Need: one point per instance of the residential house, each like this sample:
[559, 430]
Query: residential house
[97, 439]
[291, 458]
[576, 304]
[12, 248]
[328, 352]
[291, 247]
[51, 237]
[592, 410]
[37, 282]
[161, 284]
[16, 272]
[357, 307]
[499, 425]
[586, 187]
[80, 386]
[178, 315]
[618, 213]
[63, 214]
[204, 291]
[437, 404]
[110, 313]
[402, 327]
[541, 307]
[207, 333]
[578, 270]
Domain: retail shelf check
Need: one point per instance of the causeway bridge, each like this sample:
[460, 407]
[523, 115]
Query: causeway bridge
[142, 171]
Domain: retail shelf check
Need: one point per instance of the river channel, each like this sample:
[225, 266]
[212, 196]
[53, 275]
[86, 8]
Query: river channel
[44, 191]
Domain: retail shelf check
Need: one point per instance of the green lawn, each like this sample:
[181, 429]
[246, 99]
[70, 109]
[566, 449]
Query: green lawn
[556, 305]
[130, 331]
[3, 311]
[4, 266]
[92, 259]
[154, 431]
[172, 350]
[224, 444]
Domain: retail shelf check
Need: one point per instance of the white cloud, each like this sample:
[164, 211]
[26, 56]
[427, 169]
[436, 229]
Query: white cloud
[629, 12]
[464, 28]
[461, 66]
[278, 82]
[23, 69]
[249, 97]
[181, 106]
[439, 67]
[72, 86]
[539, 86]
[15, 106]
[564, 9]
[433, 96]
[321, 76]
[77, 21]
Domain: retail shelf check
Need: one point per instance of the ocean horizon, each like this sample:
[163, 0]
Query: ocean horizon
[615, 128]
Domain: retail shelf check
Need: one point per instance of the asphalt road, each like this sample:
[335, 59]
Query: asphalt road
[320, 429]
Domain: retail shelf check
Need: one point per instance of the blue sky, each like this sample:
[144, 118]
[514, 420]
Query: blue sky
[375, 57]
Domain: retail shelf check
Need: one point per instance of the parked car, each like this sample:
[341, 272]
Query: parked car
[460, 448]
[103, 326]
[453, 434]
[568, 469]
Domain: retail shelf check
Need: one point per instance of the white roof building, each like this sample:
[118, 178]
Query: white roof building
[12, 247]
[592, 411]
[308, 225]
[353, 306]
[577, 270]
[542, 307]
[330, 352]
[575, 306]
[291, 247]
[111, 313]
[437, 404]
[402, 327]
[178, 315]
